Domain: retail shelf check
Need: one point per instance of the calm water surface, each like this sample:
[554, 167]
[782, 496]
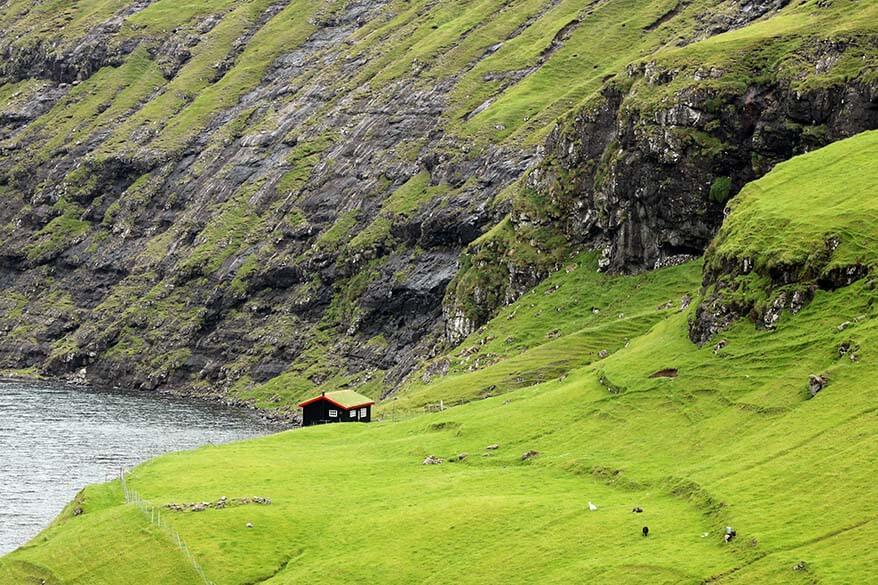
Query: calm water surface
[56, 438]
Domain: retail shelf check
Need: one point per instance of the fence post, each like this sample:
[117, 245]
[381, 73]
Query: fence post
[155, 517]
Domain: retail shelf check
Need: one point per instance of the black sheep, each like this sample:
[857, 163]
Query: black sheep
[646, 531]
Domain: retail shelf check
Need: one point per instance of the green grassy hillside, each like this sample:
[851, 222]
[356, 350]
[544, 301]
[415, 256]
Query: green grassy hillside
[810, 200]
[732, 438]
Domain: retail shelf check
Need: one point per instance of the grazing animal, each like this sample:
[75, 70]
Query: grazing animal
[730, 534]
[646, 531]
[592, 507]
[637, 510]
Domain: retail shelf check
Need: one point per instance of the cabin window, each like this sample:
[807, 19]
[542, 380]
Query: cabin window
[362, 413]
[333, 413]
[353, 413]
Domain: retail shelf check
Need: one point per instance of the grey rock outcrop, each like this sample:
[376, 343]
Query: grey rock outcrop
[816, 383]
[651, 204]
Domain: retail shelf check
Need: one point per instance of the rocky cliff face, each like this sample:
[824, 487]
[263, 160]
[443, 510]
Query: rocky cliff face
[248, 198]
[226, 259]
[666, 174]
[644, 174]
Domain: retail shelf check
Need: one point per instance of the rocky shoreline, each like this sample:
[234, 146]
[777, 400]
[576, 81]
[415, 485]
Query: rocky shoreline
[284, 420]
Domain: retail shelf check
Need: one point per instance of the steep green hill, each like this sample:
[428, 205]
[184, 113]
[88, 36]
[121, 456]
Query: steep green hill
[725, 434]
[242, 199]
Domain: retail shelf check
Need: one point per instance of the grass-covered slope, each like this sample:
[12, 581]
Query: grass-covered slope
[575, 317]
[823, 215]
[733, 438]
[820, 197]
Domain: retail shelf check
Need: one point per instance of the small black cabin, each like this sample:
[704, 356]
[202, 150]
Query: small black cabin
[340, 406]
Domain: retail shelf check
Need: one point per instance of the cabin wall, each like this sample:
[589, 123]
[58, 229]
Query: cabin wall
[318, 413]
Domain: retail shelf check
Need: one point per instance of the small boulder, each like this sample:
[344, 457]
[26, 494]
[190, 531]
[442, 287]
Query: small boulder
[603, 353]
[816, 383]
[493, 447]
[529, 455]
[249, 525]
[432, 460]
[848, 349]
[685, 301]
[844, 325]
[800, 566]
[720, 344]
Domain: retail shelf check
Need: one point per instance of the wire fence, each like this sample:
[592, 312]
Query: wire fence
[154, 514]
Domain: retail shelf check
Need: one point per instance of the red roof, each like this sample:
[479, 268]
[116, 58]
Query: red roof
[344, 399]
